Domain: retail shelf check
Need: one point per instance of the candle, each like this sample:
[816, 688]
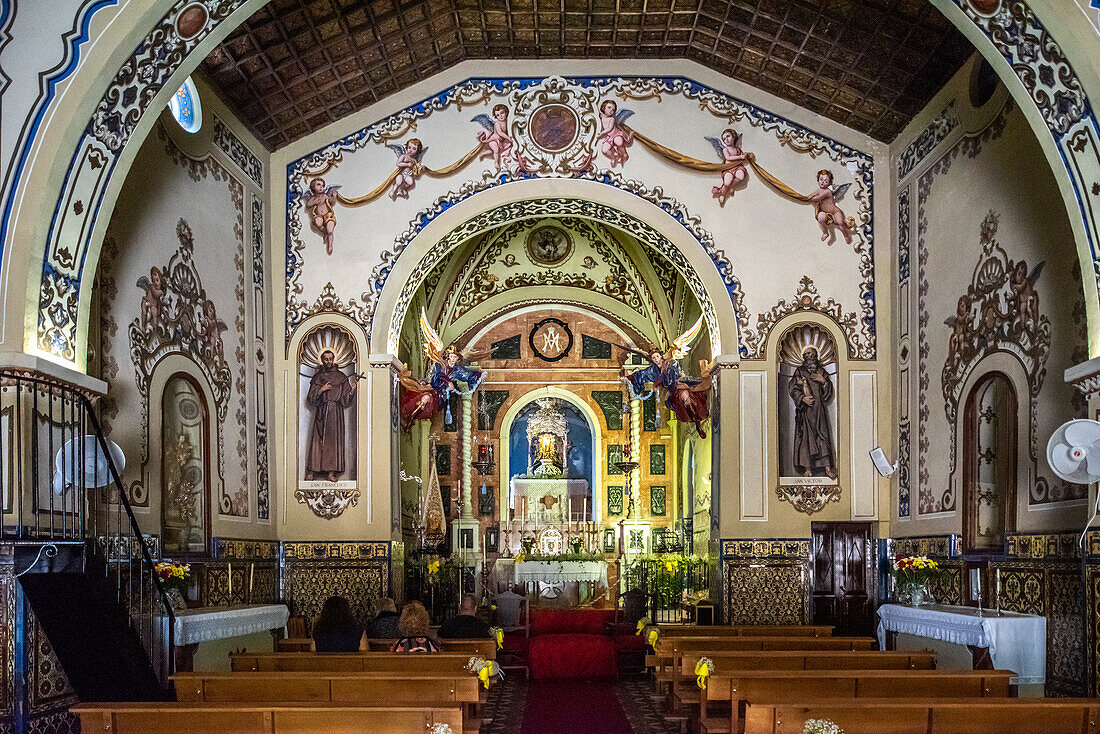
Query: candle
[997, 591]
[231, 581]
[251, 574]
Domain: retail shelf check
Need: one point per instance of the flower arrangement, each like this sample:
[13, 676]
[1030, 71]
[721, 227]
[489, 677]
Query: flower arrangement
[703, 669]
[821, 726]
[174, 575]
[497, 633]
[484, 669]
[915, 570]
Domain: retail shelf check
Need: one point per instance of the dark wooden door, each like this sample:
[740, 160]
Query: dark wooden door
[843, 576]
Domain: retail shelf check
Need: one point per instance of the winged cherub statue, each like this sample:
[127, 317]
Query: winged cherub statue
[421, 399]
[685, 396]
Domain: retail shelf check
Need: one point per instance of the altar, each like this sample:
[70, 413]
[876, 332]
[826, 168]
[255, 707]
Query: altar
[563, 583]
[547, 500]
[250, 626]
[1010, 641]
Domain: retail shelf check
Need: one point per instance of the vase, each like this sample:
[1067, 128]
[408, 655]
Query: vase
[175, 599]
[915, 594]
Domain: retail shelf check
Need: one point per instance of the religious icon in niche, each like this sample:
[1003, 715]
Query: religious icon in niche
[327, 421]
[734, 176]
[825, 209]
[549, 245]
[551, 340]
[616, 136]
[807, 407]
[496, 140]
[422, 399]
[321, 207]
[183, 466]
[685, 396]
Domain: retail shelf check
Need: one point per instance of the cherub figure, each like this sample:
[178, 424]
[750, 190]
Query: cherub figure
[828, 213]
[961, 331]
[210, 329]
[408, 167]
[154, 311]
[684, 396]
[448, 368]
[1023, 300]
[321, 203]
[495, 137]
[616, 136]
[734, 175]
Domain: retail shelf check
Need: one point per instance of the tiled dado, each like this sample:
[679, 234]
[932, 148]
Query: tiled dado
[933, 546]
[233, 548]
[314, 571]
[766, 580]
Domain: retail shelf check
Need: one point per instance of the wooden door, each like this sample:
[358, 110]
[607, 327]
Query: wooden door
[843, 576]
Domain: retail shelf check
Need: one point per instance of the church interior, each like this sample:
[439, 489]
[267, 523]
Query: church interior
[649, 366]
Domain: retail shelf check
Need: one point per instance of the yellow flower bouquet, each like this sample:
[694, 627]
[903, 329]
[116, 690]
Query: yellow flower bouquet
[174, 575]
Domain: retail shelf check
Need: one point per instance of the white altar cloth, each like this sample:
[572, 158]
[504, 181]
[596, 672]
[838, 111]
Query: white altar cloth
[1016, 642]
[557, 571]
[218, 623]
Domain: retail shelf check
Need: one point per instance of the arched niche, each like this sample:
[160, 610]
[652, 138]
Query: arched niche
[509, 418]
[185, 508]
[990, 453]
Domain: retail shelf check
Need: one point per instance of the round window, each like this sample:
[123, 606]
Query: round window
[186, 108]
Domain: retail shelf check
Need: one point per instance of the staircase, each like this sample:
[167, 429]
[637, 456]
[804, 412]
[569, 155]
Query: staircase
[83, 565]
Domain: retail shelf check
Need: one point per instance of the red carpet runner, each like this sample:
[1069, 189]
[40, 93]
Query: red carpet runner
[574, 707]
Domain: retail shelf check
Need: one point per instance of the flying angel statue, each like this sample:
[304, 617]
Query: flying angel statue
[684, 396]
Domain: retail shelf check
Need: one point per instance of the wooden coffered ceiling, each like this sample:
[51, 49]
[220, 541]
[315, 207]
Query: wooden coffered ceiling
[297, 65]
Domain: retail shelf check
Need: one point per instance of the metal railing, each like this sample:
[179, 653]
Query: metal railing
[61, 484]
[668, 586]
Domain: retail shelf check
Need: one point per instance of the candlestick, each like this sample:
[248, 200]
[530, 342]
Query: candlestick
[997, 589]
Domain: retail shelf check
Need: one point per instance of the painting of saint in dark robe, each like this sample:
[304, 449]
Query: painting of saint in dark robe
[808, 404]
[327, 413]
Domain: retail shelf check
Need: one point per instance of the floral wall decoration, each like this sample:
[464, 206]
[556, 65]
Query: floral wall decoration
[587, 128]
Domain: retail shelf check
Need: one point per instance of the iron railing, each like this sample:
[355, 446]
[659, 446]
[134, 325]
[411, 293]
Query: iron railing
[669, 586]
[54, 496]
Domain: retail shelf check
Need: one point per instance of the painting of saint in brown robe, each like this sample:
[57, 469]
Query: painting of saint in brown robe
[330, 394]
[811, 389]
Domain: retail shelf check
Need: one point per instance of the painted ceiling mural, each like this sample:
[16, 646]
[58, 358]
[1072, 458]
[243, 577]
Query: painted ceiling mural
[755, 179]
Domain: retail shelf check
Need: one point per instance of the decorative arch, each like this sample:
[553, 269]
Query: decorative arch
[680, 238]
[576, 401]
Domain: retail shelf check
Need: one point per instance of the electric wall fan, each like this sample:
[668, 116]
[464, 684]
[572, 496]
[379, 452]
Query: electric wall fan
[81, 460]
[1073, 453]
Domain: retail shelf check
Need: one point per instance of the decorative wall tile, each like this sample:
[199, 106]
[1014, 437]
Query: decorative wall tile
[508, 348]
[1022, 591]
[1050, 547]
[773, 593]
[489, 403]
[766, 549]
[336, 550]
[657, 459]
[245, 549]
[614, 499]
[485, 504]
[443, 460]
[614, 456]
[650, 413]
[1066, 634]
[593, 348]
[362, 583]
[657, 500]
[611, 405]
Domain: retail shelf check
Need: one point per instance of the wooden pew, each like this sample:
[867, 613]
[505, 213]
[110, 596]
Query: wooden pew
[485, 648]
[684, 690]
[262, 718]
[830, 685]
[293, 644]
[747, 630]
[942, 716]
[399, 688]
[352, 662]
[667, 654]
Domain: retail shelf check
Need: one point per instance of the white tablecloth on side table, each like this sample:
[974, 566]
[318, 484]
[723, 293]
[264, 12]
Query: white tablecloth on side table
[1016, 642]
[218, 623]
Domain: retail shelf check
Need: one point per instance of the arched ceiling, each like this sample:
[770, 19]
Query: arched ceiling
[298, 65]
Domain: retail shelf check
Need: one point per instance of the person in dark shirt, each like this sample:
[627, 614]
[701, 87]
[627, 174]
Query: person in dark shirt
[466, 625]
[384, 624]
[413, 627]
[336, 630]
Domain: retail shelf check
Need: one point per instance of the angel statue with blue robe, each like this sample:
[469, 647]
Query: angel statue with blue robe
[685, 396]
[421, 399]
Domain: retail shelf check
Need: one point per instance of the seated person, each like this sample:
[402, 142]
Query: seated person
[466, 625]
[634, 605]
[336, 630]
[509, 608]
[384, 624]
[413, 627]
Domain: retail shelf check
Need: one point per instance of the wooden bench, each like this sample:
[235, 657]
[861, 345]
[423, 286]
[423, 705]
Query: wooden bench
[260, 718]
[684, 690]
[943, 716]
[830, 685]
[352, 662]
[486, 648]
[747, 630]
[367, 687]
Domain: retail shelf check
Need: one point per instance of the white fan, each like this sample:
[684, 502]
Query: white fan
[1073, 452]
[85, 453]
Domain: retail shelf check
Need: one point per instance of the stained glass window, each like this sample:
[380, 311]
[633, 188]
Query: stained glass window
[186, 107]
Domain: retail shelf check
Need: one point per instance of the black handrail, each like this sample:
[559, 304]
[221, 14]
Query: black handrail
[77, 420]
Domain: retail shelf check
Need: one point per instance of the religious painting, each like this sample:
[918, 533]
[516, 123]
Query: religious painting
[328, 376]
[184, 462]
[549, 245]
[553, 127]
[807, 407]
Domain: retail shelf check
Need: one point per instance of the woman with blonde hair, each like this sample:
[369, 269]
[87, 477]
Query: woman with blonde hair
[413, 627]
